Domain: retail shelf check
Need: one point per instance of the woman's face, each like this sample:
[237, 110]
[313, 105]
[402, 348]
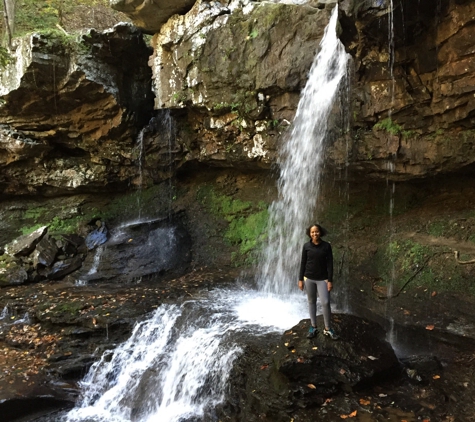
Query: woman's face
[314, 234]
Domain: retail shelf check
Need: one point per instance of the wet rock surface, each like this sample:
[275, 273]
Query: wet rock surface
[360, 354]
[414, 388]
[297, 372]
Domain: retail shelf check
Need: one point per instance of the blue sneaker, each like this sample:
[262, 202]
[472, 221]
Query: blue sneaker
[330, 333]
[312, 332]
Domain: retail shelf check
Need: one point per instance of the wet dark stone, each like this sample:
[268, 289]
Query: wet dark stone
[62, 268]
[46, 251]
[13, 410]
[97, 237]
[281, 375]
[360, 354]
[141, 249]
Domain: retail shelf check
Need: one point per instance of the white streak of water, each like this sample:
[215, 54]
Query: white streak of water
[96, 261]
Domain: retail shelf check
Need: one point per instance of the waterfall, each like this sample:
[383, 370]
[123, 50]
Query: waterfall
[301, 159]
[176, 365]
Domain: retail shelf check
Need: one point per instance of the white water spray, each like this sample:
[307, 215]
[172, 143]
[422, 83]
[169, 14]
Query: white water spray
[300, 166]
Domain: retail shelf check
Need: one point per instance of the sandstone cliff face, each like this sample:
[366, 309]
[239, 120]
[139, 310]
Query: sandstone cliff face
[237, 72]
[236, 69]
[70, 112]
[231, 72]
[413, 103]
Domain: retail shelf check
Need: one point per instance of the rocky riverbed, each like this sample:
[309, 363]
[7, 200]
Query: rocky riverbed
[52, 332]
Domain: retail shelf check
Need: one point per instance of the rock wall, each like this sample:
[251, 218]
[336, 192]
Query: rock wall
[236, 71]
[413, 101]
[224, 79]
[71, 111]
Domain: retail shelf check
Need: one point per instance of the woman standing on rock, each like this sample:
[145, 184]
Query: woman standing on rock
[316, 273]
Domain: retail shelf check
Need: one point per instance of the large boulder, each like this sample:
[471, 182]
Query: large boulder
[293, 374]
[24, 245]
[138, 249]
[151, 15]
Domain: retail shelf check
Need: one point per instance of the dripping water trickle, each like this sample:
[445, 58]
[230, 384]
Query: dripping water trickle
[141, 158]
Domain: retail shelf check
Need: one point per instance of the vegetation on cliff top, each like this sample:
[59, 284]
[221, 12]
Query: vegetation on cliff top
[72, 15]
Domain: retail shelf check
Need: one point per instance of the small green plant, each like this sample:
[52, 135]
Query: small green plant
[437, 228]
[179, 97]
[408, 134]
[389, 126]
[5, 57]
[254, 33]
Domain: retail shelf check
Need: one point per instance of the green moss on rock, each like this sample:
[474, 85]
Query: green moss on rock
[247, 222]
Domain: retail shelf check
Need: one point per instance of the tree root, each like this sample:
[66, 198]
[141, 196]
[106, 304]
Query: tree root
[456, 253]
[423, 265]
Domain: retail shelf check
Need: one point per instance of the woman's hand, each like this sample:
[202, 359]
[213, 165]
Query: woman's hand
[329, 285]
[300, 284]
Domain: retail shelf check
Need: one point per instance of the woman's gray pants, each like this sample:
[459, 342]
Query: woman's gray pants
[311, 287]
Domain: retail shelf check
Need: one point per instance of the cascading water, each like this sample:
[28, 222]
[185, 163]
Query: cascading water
[176, 365]
[300, 165]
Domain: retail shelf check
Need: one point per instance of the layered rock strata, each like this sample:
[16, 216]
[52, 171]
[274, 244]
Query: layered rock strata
[71, 111]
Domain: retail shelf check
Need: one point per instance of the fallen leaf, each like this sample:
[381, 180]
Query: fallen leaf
[436, 377]
[430, 327]
[311, 386]
[342, 371]
[300, 360]
[351, 415]
[382, 395]
[372, 358]
[314, 348]
[365, 402]
[264, 367]
[433, 294]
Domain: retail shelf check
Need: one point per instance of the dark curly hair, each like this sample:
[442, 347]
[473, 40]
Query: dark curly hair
[323, 232]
